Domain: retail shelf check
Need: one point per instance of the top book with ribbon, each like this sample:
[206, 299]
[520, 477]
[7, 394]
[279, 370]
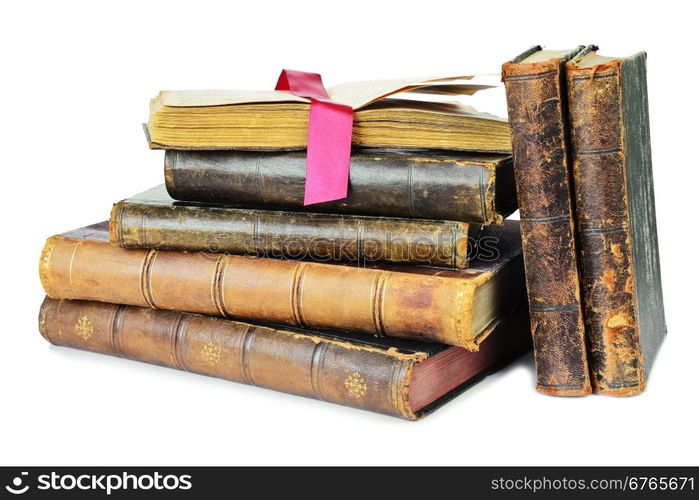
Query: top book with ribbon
[278, 119]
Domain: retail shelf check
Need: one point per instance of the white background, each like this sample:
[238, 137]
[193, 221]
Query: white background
[76, 79]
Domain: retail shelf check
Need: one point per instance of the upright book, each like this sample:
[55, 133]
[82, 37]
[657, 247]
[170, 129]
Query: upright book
[154, 220]
[423, 184]
[536, 101]
[397, 377]
[616, 219]
[456, 307]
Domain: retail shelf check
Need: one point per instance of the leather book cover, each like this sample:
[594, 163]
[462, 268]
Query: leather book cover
[396, 377]
[390, 183]
[613, 182]
[450, 306]
[154, 220]
[536, 100]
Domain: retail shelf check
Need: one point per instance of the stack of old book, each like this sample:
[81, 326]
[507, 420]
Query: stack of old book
[394, 298]
[409, 285]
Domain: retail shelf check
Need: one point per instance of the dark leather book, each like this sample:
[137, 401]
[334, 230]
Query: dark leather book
[401, 378]
[154, 220]
[536, 101]
[613, 182]
[421, 184]
[455, 307]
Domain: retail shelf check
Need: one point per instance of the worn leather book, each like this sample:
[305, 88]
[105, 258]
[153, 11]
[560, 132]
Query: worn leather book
[401, 378]
[451, 306]
[278, 120]
[421, 184]
[154, 220]
[536, 101]
[615, 210]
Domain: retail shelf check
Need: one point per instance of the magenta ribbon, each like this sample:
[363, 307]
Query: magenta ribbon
[329, 137]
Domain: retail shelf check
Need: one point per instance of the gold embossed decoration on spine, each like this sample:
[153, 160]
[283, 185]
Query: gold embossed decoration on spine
[83, 328]
[268, 357]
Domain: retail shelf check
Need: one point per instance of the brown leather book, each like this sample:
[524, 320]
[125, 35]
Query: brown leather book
[154, 220]
[390, 183]
[455, 307]
[401, 378]
[615, 210]
[536, 101]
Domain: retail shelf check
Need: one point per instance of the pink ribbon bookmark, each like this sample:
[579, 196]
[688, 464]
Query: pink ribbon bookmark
[329, 137]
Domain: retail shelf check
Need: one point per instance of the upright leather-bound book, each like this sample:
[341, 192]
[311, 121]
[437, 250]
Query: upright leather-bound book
[615, 210]
[536, 101]
[397, 377]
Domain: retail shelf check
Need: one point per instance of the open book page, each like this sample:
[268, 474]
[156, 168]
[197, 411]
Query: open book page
[354, 94]
[191, 98]
[359, 94]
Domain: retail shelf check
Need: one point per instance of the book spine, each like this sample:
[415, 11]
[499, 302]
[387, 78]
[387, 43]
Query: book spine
[309, 236]
[303, 294]
[293, 362]
[602, 206]
[536, 108]
[391, 186]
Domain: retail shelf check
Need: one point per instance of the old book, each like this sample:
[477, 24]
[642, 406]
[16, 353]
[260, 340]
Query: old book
[392, 183]
[455, 307]
[536, 101]
[401, 378]
[615, 210]
[278, 120]
[154, 220]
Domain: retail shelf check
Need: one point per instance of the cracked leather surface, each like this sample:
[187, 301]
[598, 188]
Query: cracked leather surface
[536, 110]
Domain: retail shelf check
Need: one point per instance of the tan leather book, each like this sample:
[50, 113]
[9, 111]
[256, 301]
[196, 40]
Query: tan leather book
[455, 307]
[613, 180]
[278, 120]
[154, 220]
[536, 101]
[401, 378]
